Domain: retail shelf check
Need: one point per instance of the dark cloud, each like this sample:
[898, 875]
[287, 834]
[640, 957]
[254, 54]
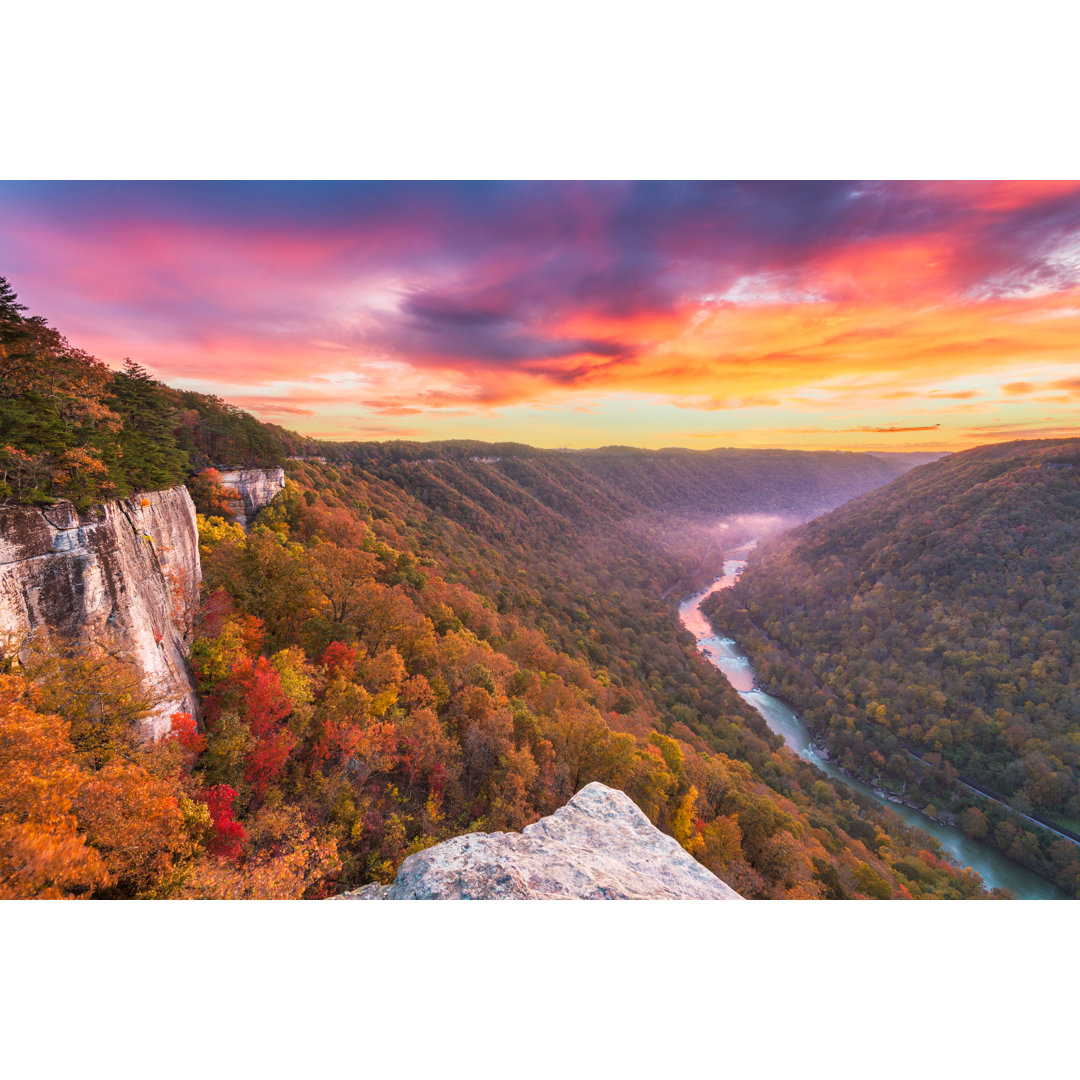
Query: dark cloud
[442, 311]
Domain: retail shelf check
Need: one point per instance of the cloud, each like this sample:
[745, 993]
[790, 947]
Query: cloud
[380, 431]
[1022, 389]
[389, 408]
[441, 311]
[893, 429]
[1036, 429]
[262, 406]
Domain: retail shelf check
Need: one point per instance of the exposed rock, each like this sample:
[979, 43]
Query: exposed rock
[599, 846]
[256, 488]
[124, 575]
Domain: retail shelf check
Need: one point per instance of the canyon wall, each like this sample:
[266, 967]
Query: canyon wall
[599, 846]
[123, 576]
[255, 488]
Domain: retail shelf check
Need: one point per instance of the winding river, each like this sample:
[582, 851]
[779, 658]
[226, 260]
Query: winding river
[993, 867]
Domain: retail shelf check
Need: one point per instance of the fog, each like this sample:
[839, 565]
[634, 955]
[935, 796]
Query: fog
[739, 528]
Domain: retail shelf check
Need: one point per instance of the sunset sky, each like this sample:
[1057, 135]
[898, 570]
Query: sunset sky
[889, 316]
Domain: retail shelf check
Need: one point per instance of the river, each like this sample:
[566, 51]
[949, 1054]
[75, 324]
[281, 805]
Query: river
[995, 869]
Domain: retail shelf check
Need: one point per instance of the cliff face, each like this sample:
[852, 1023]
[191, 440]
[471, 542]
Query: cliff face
[124, 575]
[255, 487]
[599, 846]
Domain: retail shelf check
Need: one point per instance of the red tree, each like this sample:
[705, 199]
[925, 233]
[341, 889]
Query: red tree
[186, 732]
[264, 705]
[228, 836]
[338, 657]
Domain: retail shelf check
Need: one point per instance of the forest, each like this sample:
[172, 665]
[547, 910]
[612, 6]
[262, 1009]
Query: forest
[929, 634]
[409, 643]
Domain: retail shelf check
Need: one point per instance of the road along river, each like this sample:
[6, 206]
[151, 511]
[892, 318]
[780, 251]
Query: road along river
[994, 868]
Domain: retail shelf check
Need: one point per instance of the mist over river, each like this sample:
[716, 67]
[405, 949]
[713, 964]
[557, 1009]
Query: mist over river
[996, 869]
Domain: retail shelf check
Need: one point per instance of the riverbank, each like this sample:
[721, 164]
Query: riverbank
[996, 869]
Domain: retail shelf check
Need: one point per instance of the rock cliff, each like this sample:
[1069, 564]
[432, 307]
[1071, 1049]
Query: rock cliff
[599, 846]
[255, 488]
[124, 575]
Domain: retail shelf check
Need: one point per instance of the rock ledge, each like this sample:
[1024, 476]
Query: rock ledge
[599, 846]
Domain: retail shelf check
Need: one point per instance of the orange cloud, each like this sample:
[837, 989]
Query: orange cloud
[893, 429]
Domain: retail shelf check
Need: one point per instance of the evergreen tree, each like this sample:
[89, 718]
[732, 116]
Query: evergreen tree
[149, 455]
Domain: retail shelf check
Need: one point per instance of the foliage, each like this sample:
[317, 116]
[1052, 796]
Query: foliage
[42, 851]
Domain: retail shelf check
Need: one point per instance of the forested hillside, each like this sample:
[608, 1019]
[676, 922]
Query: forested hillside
[412, 641]
[71, 427]
[929, 633]
[587, 484]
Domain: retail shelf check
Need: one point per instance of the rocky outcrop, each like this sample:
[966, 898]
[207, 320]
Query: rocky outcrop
[599, 846]
[255, 489]
[124, 576]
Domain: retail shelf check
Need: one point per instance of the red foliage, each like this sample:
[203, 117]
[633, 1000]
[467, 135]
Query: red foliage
[338, 657]
[252, 632]
[185, 730]
[217, 607]
[229, 835]
[264, 704]
[261, 694]
[211, 707]
[437, 779]
[266, 760]
[211, 495]
[938, 864]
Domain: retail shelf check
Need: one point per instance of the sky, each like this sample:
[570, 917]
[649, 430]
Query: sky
[811, 315]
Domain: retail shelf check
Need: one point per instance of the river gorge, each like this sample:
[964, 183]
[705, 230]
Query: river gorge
[996, 869]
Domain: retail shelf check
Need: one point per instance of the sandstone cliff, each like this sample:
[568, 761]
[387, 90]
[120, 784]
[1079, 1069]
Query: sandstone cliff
[255, 488]
[124, 575]
[599, 846]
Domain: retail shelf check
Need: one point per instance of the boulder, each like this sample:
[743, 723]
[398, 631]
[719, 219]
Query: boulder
[599, 846]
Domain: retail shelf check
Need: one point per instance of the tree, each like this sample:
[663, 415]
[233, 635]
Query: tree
[152, 459]
[102, 697]
[9, 307]
[43, 852]
[228, 835]
[210, 495]
[136, 822]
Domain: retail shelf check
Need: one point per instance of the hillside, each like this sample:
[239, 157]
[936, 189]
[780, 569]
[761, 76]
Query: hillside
[585, 486]
[929, 633]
